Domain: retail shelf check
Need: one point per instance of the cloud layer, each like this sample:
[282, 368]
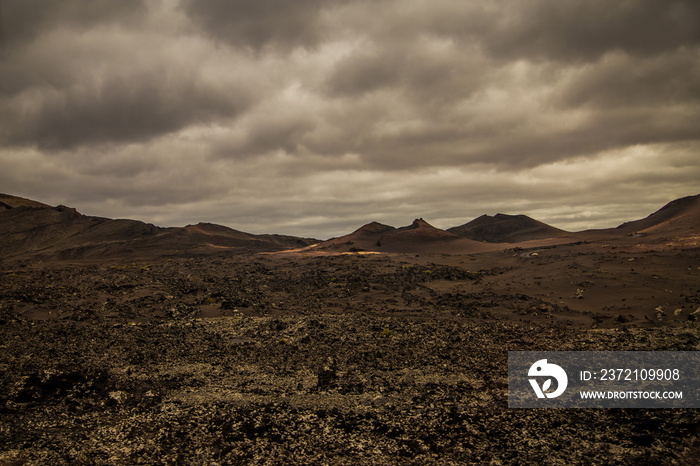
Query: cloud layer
[312, 117]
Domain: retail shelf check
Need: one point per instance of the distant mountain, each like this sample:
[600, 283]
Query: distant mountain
[29, 229]
[37, 231]
[420, 236]
[681, 214]
[373, 228]
[503, 228]
[63, 231]
[221, 236]
[419, 231]
[365, 238]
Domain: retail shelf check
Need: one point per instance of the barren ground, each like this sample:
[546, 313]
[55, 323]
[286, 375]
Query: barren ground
[333, 359]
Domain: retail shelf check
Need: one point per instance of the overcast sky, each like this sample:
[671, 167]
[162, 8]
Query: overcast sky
[313, 117]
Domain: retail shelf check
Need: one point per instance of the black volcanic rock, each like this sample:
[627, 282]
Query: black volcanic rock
[338, 359]
[503, 228]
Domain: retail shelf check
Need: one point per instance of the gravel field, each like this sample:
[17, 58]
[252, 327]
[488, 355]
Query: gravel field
[279, 359]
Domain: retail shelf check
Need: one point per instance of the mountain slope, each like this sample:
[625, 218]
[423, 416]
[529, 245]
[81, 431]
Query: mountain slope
[8, 202]
[503, 228]
[680, 214]
[34, 230]
[418, 237]
[419, 231]
[58, 231]
[365, 238]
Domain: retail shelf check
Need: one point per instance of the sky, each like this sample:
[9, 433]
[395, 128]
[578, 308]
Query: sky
[312, 117]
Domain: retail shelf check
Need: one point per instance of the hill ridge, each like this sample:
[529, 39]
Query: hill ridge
[31, 229]
[687, 207]
[504, 228]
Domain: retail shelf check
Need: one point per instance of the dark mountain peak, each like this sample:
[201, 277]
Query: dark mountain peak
[69, 212]
[419, 230]
[502, 217]
[687, 208]
[212, 230]
[418, 223]
[681, 203]
[374, 228]
[505, 228]
[206, 226]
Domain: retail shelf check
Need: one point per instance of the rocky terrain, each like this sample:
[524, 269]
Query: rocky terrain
[326, 356]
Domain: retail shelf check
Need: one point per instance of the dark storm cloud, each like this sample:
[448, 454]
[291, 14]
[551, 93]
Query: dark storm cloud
[430, 75]
[570, 30]
[587, 29]
[298, 113]
[613, 59]
[118, 108]
[2, 29]
[69, 77]
[256, 24]
[619, 80]
[365, 72]
[27, 19]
